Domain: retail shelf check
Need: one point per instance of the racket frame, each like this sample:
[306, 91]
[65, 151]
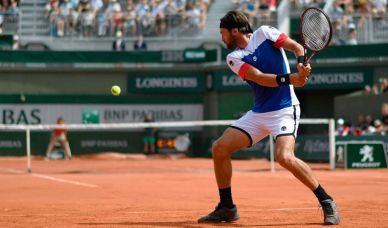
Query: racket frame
[307, 59]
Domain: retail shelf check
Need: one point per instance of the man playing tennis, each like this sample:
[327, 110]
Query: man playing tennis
[260, 60]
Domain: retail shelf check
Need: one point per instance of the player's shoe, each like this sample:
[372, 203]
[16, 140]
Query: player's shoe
[220, 214]
[330, 212]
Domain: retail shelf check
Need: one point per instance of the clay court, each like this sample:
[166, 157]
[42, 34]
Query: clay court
[134, 191]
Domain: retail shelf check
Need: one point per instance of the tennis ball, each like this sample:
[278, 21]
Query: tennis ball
[115, 90]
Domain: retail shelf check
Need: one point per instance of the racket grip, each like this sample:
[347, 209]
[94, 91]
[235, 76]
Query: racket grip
[305, 57]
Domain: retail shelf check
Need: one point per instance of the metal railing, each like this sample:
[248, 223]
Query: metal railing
[9, 23]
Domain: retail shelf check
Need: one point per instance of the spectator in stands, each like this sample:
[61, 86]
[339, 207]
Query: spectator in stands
[64, 12]
[379, 8]
[375, 89]
[352, 34]
[337, 11]
[140, 44]
[144, 17]
[171, 8]
[272, 5]
[203, 6]
[380, 128]
[59, 135]
[384, 113]
[364, 9]
[95, 6]
[86, 20]
[1, 18]
[337, 37]
[181, 5]
[249, 8]
[72, 21]
[13, 8]
[130, 21]
[117, 19]
[360, 126]
[384, 85]
[118, 44]
[112, 15]
[367, 89]
[369, 128]
[192, 16]
[149, 136]
[158, 8]
[102, 21]
[343, 129]
[264, 12]
[53, 14]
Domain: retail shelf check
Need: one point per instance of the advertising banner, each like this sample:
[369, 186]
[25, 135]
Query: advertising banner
[166, 83]
[99, 113]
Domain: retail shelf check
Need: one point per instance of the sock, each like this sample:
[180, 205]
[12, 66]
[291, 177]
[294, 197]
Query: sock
[321, 194]
[226, 197]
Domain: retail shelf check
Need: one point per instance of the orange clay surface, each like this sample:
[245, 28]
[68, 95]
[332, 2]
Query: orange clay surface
[111, 190]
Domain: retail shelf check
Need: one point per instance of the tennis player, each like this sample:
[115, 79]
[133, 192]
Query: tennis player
[260, 60]
[59, 135]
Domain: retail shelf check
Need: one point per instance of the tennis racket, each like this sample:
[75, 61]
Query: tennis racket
[315, 30]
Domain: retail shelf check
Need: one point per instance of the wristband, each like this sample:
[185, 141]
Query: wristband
[300, 59]
[283, 79]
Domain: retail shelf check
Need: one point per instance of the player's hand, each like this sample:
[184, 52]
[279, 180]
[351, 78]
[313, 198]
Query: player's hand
[304, 70]
[300, 79]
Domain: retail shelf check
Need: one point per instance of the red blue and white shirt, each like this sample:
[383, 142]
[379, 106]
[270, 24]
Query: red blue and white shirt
[264, 52]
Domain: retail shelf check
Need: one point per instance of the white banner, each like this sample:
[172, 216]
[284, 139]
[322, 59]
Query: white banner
[99, 113]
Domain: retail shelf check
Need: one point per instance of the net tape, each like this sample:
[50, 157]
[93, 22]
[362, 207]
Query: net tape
[315, 29]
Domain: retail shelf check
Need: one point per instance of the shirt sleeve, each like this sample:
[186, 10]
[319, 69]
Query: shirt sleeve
[237, 65]
[274, 35]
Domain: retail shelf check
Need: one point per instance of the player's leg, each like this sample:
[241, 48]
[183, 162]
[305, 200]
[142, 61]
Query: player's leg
[284, 151]
[231, 141]
[66, 147]
[284, 128]
[244, 133]
[145, 144]
[50, 147]
[152, 144]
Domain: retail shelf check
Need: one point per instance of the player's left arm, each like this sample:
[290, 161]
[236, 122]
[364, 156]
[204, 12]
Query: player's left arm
[293, 46]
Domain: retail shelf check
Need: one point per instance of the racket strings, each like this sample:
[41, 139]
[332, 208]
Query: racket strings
[315, 30]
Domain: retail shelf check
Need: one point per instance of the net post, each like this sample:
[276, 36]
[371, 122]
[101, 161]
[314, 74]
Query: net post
[28, 149]
[271, 153]
[332, 143]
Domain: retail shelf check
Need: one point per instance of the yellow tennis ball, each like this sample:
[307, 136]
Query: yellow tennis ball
[116, 90]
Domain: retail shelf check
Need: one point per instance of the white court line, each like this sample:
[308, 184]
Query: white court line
[170, 212]
[256, 210]
[53, 178]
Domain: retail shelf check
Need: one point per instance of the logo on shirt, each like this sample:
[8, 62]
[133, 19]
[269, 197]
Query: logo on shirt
[231, 63]
[254, 58]
[284, 128]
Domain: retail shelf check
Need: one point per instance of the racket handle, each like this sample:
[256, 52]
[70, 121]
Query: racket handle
[305, 57]
[307, 60]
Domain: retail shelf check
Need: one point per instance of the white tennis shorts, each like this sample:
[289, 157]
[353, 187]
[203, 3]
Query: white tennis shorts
[277, 123]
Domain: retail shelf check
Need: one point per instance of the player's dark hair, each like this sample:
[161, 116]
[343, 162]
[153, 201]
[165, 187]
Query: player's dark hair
[235, 19]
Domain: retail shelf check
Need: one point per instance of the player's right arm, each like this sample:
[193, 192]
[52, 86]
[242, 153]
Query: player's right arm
[271, 80]
[247, 72]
